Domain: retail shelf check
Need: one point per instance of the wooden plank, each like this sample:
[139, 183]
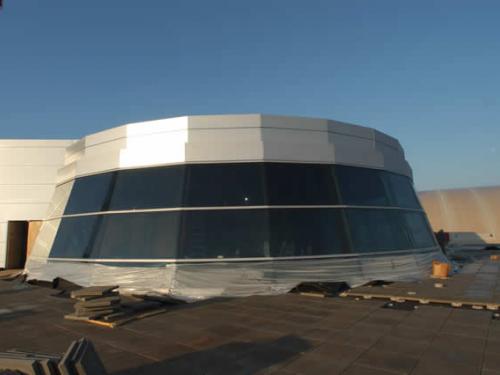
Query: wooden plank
[93, 291]
[33, 230]
[312, 294]
[447, 301]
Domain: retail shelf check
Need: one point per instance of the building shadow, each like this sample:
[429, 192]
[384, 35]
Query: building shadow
[235, 358]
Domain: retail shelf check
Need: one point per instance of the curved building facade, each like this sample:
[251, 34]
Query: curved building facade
[201, 206]
[471, 215]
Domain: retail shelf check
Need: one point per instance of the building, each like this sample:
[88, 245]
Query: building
[199, 206]
[28, 175]
[471, 215]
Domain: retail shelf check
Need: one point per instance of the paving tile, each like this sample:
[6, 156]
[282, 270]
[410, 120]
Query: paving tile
[492, 361]
[465, 330]
[459, 342]
[441, 360]
[424, 335]
[403, 346]
[319, 334]
[373, 328]
[357, 369]
[115, 360]
[338, 352]
[388, 361]
[269, 355]
[355, 337]
[288, 334]
[493, 345]
[313, 364]
[470, 317]
[382, 321]
[423, 322]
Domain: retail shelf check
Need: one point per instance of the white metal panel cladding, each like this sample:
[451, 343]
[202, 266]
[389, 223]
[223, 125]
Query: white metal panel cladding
[28, 170]
[233, 138]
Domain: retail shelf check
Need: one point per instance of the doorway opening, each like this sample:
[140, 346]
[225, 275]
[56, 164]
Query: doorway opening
[17, 240]
[21, 236]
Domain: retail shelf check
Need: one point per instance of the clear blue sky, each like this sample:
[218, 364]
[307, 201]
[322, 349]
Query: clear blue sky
[426, 72]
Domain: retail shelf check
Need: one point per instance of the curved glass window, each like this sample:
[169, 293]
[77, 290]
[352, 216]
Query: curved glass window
[307, 232]
[74, 237]
[147, 188]
[402, 191]
[421, 233]
[234, 184]
[300, 184]
[150, 235]
[240, 233]
[224, 234]
[362, 186]
[90, 193]
[240, 184]
[377, 230]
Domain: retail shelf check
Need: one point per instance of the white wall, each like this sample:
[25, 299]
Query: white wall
[28, 170]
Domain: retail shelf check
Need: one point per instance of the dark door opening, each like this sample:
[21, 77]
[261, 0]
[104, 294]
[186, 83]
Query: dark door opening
[17, 239]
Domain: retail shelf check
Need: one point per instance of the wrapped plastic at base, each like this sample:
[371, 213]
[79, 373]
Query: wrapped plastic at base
[198, 281]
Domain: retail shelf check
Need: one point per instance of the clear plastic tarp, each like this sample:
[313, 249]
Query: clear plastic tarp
[198, 281]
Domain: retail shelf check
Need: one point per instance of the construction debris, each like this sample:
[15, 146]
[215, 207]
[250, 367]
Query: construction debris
[12, 274]
[103, 306]
[80, 359]
[476, 287]
[95, 302]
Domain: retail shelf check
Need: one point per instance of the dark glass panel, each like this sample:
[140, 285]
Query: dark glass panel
[148, 188]
[225, 234]
[362, 186]
[74, 237]
[90, 194]
[420, 231]
[300, 184]
[237, 184]
[150, 235]
[306, 232]
[377, 230]
[402, 191]
[240, 184]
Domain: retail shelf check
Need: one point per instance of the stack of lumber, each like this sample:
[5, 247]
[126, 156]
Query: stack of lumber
[80, 359]
[102, 305]
[95, 302]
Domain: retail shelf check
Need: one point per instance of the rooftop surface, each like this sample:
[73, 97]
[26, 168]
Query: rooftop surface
[288, 334]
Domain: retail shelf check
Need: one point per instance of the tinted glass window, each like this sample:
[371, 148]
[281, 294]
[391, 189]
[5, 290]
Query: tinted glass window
[137, 236]
[377, 230]
[362, 186]
[148, 188]
[402, 191]
[225, 234]
[305, 232]
[300, 184]
[90, 194]
[421, 233]
[239, 184]
[74, 237]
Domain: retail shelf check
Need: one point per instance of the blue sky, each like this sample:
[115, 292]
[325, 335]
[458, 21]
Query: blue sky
[426, 72]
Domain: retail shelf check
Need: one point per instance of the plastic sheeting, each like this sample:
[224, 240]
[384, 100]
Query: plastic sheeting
[197, 281]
